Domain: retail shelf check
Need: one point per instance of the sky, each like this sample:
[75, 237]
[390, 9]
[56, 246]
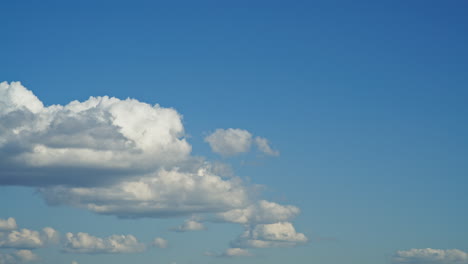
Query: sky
[189, 132]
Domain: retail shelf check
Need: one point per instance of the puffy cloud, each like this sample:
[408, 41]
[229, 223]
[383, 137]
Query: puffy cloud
[264, 146]
[160, 242]
[229, 142]
[8, 224]
[281, 234]
[28, 239]
[430, 256]
[161, 194]
[86, 243]
[19, 256]
[189, 225]
[260, 212]
[84, 143]
[236, 252]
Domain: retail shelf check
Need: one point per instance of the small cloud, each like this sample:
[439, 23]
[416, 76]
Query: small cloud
[189, 225]
[160, 242]
[8, 224]
[230, 253]
[229, 142]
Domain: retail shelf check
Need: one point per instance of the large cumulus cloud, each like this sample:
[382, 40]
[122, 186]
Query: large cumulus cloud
[84, 143]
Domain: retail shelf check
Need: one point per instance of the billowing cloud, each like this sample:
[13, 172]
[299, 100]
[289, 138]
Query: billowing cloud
[260, 213]
[229, 142]
[28, 239]
[84, 143]
[8, 224]
[86, 243]
[430, 256]
[281, 234]
[189, 225]
[264, 146]
[159, 242]
[19, 256]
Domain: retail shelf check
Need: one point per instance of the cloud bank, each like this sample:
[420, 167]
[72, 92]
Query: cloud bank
[430, 256]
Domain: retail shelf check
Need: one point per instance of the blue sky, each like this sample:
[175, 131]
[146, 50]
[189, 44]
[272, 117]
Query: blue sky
[365, 103]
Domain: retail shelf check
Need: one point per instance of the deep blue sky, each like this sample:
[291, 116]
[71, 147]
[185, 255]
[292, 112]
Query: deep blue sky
[365, 100]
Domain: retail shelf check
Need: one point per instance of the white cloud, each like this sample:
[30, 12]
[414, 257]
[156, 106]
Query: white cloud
[160, 242]
[25, 255]
[74, 262]
[70, 144]
[264, 146]
[430, 256]
[281, 234]
[28, 239]
[189, 225]
[161, 194]
[124, 158]
[260, 213]
[229, 142]
[8, 224]
[86, 243]
[19, 256]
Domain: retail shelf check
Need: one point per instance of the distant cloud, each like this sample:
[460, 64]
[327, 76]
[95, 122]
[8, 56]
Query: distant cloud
[88, 244]
[280, 234]
[28, 239]
[233, 141]
[17, 257]
[8, 224]
[189, 225]
[236, 252]
[231, 252]
[262, 212]
[430, 256]
[159, 242]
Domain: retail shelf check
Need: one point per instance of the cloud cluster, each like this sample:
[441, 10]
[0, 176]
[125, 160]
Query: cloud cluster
[233, 141]
[86, 243]
[23, 241]
[28, 239]
[430, 256]
[128, 159]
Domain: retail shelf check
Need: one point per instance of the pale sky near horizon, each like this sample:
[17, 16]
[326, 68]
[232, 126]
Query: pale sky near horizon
[195, 132]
